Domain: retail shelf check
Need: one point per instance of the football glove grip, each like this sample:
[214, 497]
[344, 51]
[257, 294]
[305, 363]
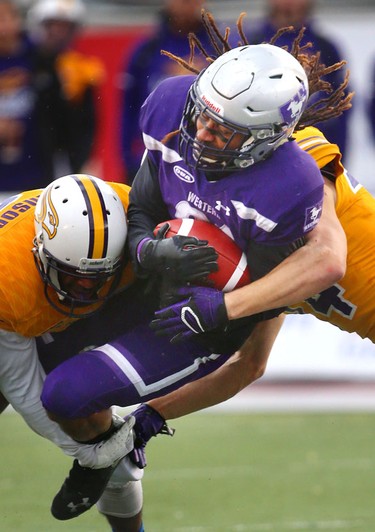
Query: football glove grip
[148, 423]
[198, 310]
[184, 258]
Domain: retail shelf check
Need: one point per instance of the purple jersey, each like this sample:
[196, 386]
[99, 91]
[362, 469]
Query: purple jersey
[276, 201]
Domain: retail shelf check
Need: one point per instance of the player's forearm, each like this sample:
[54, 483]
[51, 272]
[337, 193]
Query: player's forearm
[244, 367]
[309, 270]
[300, 276]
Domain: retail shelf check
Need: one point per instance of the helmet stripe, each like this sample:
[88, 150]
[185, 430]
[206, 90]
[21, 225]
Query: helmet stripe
[98, 221]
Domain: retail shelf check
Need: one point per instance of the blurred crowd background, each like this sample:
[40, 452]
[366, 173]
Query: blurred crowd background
[70, 93]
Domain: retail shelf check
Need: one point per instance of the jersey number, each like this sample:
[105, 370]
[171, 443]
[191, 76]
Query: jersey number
[332, 300]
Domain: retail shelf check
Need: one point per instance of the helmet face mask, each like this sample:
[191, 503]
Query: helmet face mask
[81, 230]
[257, 92]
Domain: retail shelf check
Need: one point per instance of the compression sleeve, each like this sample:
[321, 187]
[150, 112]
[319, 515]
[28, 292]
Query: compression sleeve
[263, 258]
[146, 207]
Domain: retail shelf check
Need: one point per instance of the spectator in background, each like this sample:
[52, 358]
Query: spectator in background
[54, 25]
[299, 13]
[26, 108]
[147, 67]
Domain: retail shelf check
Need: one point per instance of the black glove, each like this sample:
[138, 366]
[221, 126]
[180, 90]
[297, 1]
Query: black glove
[148, 423]
[183, 258]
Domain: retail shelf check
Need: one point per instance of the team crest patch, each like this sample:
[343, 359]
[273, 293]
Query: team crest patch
[312, 216]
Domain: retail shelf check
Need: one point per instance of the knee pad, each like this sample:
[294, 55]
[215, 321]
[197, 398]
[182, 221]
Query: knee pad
[121, 500]
[126, 471]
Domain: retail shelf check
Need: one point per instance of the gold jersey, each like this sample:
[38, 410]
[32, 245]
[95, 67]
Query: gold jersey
[349, 304]
[24, 308]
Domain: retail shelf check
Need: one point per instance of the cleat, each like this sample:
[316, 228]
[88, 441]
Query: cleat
[80, 491]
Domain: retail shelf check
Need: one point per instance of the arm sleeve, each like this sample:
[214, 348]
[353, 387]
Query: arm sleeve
[263, 258]
[146, 207]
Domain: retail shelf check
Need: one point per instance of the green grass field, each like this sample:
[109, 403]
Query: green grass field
[220, 473]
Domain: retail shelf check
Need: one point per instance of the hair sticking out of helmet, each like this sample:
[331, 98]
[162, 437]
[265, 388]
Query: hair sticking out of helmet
[211, 92]
[80, 233]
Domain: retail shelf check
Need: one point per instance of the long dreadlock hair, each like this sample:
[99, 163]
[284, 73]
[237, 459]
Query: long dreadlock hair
[324, 108]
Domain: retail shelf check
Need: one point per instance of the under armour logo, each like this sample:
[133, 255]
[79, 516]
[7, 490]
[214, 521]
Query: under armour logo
[220, 206]
[85, 504]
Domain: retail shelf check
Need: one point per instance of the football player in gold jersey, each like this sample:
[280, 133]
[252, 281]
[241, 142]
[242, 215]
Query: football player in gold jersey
[62, 256]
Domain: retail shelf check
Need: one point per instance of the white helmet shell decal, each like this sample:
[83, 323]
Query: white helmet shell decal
[46, 214]
[215, 107]
[292, 110]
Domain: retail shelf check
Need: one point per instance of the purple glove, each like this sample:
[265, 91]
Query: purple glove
[148, 423]
[198, 309]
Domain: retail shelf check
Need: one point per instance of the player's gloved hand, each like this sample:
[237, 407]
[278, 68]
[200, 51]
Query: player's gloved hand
[198, 309]
[148, 423]
[184, 258]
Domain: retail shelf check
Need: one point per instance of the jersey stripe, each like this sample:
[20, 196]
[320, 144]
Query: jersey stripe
[125, 366]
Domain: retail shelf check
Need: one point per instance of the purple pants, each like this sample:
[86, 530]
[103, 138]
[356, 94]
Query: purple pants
[134, 368]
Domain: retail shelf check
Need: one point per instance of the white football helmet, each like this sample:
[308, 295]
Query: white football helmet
[80, 230]
[259, 91]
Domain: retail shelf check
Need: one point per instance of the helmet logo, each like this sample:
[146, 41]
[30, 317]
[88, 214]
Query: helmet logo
[47, 215]
[215, 107]
[292, 110]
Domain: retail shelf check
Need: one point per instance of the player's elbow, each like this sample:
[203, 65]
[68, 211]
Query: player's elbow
[258, 370]
[332, 266]
[255, 371]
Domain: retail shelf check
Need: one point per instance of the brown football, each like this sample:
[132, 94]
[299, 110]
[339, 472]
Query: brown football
[233, 271]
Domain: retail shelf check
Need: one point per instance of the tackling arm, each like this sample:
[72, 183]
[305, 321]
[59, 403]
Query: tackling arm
[312, 268]
[244, 367]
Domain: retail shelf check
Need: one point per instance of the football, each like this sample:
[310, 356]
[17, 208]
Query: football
[233, 271]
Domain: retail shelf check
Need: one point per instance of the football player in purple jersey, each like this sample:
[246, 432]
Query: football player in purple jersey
[234, 164]
[219, 147]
